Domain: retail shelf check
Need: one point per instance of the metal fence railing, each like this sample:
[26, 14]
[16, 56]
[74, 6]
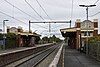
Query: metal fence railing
[94, 50]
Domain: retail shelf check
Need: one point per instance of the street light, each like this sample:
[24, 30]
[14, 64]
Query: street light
[4, 37]
[87, 6]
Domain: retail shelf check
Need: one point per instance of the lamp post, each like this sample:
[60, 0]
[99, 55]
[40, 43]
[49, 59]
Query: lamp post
[4, 37]
[87, 7]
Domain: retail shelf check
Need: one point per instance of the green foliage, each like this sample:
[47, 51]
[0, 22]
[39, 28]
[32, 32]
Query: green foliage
[10, 41]
[50, 39]
[94, 39]
[45, 40]
[1, 36]
[54, 39]
[37, 40]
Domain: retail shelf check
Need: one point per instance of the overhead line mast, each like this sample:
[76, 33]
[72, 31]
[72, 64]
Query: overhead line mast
[46, 15]
[49, 22]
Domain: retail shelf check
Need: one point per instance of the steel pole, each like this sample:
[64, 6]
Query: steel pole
[4, 35]
[87, 12]
[29, 26]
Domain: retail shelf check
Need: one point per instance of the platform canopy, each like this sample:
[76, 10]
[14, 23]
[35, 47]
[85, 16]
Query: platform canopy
[68, 32]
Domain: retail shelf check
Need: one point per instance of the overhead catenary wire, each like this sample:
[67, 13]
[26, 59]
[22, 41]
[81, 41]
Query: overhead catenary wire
[72, 6]
[95, 14]
[11, 17]
[72, 9]
[43, 9]
[46, 15]
[19, 20]
[34, 10]
[39, 14]
[20, 10]
[57, 26]
[96, 2]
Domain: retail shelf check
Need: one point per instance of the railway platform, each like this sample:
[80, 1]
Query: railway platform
[73, 58]
[7, 51]
[10, 56]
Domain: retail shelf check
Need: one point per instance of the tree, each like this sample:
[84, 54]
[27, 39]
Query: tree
[45, 39]
[37, 39]
[54, 39]
[94, 39]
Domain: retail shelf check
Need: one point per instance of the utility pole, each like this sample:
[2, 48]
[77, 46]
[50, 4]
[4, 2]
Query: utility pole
[87, 7]
[70, 23]
[4, 37]
[29, 27]
[87, 12]
[50, 24]
[49, 29]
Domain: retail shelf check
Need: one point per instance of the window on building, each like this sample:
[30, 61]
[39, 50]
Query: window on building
[87, 33]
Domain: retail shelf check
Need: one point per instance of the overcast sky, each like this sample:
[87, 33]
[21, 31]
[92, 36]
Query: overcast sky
[56, 9]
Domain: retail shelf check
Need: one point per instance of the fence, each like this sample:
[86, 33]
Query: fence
[1, 44]
[94, 50]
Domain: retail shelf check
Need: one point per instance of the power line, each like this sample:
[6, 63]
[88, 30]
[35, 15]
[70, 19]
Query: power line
[11, 17]
[46, 15]
[41, 26]
[57, 26]
[72, 9]
[18, 19]
[96, 2]
[34, 10]
[40, 15]
[97, 12]
[94, 14]
[43, 9]
[20, 10]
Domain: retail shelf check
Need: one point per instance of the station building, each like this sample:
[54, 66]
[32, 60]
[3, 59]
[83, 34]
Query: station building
[24, 38]
[78, 36]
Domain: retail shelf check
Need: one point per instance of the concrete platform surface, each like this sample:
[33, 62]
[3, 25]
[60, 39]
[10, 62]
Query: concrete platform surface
[74, 58]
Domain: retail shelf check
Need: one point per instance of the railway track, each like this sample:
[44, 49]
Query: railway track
[35, 59]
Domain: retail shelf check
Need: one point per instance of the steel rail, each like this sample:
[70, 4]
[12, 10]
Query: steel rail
[44, 58]
[49, 51]
[9, 58]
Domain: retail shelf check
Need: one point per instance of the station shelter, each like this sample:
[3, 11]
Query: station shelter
[23, 38]
[77, 36]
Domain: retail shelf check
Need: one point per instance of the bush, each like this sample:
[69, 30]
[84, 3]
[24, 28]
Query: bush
[10, 40]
